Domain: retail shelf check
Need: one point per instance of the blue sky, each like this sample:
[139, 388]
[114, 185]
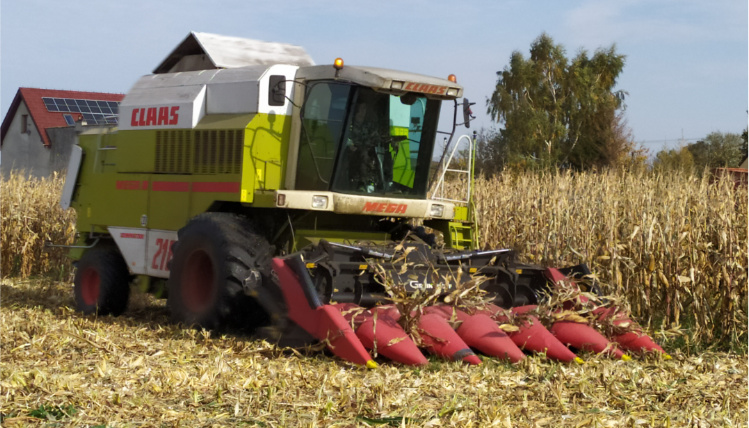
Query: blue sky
[686, 66]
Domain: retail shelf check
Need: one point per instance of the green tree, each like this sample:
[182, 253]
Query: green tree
[491, 153]
[674, 159]
[718, 150]
[557, 111]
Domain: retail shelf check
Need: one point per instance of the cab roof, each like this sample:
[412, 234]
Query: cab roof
[386, 80]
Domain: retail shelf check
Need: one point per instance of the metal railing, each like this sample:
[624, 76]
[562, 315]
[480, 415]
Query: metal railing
[439, 189]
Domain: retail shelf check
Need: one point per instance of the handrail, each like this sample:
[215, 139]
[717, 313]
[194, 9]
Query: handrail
[440, 187]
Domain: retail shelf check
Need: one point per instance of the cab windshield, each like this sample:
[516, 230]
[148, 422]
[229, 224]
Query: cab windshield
[358, 141]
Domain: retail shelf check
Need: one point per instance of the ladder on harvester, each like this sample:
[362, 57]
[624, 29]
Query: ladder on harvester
[463, 230]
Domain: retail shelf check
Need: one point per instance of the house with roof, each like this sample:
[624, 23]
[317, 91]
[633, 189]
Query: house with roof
[41, 126]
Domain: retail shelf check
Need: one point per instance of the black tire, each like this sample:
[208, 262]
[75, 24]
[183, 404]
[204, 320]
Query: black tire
[216, 257]
[102, 281]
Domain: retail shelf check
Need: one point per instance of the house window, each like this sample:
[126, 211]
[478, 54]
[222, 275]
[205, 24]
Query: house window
[24, 124]
[69, 119]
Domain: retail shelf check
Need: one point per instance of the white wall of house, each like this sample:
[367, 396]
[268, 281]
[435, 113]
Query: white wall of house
[63, 140]
[23, 148]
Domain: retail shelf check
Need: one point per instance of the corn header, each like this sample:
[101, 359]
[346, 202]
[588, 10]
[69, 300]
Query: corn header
[266, 196]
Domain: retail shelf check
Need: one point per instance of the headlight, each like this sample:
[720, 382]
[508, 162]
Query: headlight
[436, 210]
[319, 202]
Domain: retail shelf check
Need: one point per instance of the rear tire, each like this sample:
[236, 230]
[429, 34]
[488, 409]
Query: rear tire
[102, 282]
[217, 257]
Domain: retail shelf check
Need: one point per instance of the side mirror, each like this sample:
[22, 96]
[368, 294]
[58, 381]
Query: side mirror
[277, 90]
[467, 113]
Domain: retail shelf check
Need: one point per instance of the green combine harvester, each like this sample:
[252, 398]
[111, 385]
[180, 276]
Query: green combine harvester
[212, 173]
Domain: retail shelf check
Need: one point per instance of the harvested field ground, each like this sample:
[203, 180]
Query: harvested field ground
[59, 368]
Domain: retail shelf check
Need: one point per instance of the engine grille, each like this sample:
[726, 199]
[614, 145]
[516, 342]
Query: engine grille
[199, 152]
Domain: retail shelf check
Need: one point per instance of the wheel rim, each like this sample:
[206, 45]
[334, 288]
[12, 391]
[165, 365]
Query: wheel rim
[90, 285]
[198, 282]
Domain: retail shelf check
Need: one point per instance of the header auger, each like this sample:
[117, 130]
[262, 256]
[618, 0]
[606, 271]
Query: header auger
[270, 197]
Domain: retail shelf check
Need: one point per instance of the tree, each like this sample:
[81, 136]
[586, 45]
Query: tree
[674, 159]
[622, 152]
[491, 154]
[557, 111]
[718, 150]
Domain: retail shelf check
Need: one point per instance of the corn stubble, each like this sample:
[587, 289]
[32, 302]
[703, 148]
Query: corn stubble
[140, 370]
[669, 247]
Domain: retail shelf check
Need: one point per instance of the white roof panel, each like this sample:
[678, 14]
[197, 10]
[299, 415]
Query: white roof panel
[232, 52]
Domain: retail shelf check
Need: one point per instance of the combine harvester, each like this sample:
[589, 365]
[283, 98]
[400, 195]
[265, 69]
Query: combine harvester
[260, 192]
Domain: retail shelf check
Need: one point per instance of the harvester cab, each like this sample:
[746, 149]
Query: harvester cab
[258, 195]
[364, 146]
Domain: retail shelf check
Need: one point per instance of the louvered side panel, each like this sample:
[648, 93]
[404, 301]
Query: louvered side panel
[235, 152]
[218, 151]
[173, 154]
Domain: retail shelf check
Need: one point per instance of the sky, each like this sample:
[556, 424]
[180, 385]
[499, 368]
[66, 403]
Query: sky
[686, 67]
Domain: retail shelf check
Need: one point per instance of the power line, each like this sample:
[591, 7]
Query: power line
[666, 141]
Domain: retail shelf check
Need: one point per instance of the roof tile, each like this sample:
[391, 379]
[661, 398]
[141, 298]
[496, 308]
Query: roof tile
[44, 119]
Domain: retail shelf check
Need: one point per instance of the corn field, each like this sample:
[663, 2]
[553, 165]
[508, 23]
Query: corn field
[31, 216]
[675, 245]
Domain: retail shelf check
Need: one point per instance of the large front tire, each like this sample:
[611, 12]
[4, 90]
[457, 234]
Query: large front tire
[216, 259]
[102, 281]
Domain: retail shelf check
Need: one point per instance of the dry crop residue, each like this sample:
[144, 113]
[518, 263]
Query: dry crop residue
[139, 370]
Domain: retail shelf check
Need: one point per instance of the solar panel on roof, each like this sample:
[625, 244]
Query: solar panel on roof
[95, 112]
[61, 104]
[49, 103]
